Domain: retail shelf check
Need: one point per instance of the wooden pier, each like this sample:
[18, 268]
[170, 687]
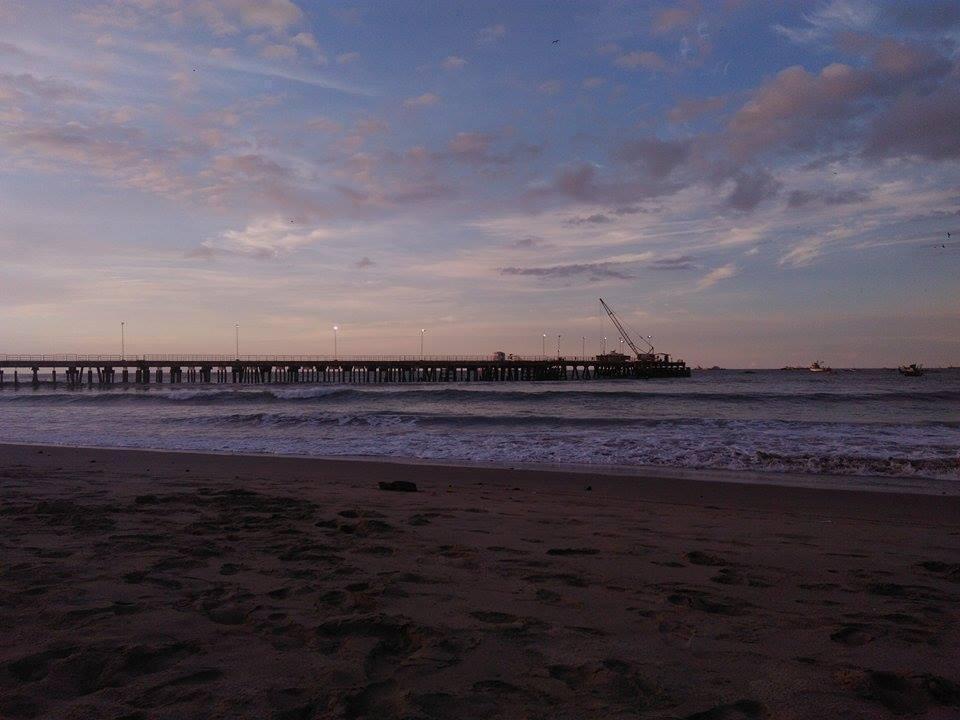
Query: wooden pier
[111, 370]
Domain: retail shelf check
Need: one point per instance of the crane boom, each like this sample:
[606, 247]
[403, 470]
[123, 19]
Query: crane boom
[623, 331]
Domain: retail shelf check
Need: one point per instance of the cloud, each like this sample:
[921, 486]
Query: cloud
[305, 39]
[424, 100]
[251, 165]
[264, 238]
[275, 15]
[803, 253]
[225, 17]
[924, 126]
[278, 51]
[14, 87]
[578, 182]
[750, 189]
[802, 111]
[595, 219]
[657, 158]
[645, 60]
[475, 147]
[804, 198]
[550, 87]
[793, 107]
[118, 154]
[453, 62]
[324, 125]
[11, 50]
[595, 271]
[347, 58]
[470, 146]
[364, 263]
[723, 272]
[679, 262]
[530, 241]
[831, 18]
[491, 34]
[673, 18]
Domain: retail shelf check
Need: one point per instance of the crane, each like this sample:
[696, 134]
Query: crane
[623, 332]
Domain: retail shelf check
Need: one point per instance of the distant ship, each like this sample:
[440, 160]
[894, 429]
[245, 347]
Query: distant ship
[818, 367]
[911, 370]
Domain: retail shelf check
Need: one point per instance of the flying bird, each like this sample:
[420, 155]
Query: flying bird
[556, 42]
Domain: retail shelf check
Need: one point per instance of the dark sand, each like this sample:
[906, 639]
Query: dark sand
[161, 585]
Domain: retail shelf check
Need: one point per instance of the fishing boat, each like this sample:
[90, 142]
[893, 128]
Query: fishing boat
[817, 366]
[911, 370]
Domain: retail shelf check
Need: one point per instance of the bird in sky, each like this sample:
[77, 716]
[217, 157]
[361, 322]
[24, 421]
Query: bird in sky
[556, 42]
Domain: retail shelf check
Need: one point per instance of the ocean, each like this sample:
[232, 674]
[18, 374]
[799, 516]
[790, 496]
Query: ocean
[860, 425]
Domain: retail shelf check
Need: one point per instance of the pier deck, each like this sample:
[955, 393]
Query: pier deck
[77, 370]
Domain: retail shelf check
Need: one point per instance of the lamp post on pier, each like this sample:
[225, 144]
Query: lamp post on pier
[543, 345]
[583, 346]
[422, 331]
[236, 329]
[558, 344]
[123, 341]
[335, 329]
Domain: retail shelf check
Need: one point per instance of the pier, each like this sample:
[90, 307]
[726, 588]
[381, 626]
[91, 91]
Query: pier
[112, 370]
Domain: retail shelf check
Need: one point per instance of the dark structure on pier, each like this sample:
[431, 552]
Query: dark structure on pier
[106, 370]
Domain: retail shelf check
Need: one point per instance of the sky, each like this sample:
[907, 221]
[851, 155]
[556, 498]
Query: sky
[752, 183]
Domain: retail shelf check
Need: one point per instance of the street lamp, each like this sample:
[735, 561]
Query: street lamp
[422, 331]
[604, 346]
[335, 329]
[558, 344]
[543, 345]
[583, 346]
[236, 328]
[123, 341]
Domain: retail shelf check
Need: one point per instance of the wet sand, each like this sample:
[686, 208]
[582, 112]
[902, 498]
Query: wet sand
[162, 585]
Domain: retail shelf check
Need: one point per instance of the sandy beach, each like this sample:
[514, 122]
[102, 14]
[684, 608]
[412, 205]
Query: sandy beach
[143, 584]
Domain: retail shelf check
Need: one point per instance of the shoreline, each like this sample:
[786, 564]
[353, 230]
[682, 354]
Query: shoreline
[158, 585]
[906, 485]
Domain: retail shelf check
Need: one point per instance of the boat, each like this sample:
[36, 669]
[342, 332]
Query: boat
[817, 366]
[911, 370]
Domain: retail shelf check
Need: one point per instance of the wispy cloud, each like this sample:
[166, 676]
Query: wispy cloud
[492, 33]
[425, 100]
[830, 18]
[803, 253]
[724, 272]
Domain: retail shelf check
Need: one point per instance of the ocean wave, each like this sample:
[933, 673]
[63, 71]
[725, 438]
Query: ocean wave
[442, 420]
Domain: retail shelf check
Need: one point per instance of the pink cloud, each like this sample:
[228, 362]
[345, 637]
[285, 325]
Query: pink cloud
[645, 60]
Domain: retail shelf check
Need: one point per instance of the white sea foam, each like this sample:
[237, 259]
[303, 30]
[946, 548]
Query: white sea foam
[864, 424]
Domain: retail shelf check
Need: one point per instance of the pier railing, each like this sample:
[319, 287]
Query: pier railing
[46, 359]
